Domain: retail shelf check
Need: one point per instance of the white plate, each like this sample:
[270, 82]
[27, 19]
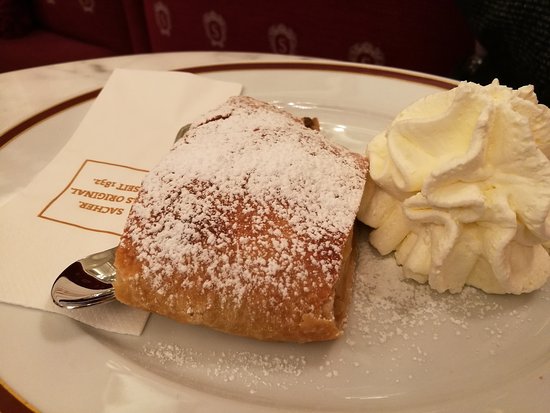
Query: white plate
[406, 349]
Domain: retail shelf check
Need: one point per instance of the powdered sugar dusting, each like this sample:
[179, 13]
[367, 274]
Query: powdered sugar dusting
[251, 200]
[388, 306]
[401, 340]
[254, 370]
[399, 333]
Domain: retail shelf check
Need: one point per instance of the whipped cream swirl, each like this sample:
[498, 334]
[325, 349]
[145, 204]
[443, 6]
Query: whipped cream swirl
[461, 190]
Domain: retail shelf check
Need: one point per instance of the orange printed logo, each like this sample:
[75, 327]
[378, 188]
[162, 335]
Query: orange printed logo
[98, 197]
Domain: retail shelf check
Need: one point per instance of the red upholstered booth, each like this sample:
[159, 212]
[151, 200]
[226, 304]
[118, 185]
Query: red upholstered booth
[40, 32]
[426, 35]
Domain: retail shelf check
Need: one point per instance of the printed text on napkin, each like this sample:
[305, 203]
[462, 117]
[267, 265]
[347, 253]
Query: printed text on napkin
[97, 188]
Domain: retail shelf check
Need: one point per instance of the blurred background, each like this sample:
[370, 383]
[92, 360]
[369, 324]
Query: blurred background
[474, 40]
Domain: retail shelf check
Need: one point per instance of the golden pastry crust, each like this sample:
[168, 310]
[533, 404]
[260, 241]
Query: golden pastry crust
[246, 226]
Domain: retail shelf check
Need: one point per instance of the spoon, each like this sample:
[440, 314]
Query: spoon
[89, 280]
[86, 282]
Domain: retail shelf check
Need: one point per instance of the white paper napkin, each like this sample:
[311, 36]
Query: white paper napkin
[78, 204]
